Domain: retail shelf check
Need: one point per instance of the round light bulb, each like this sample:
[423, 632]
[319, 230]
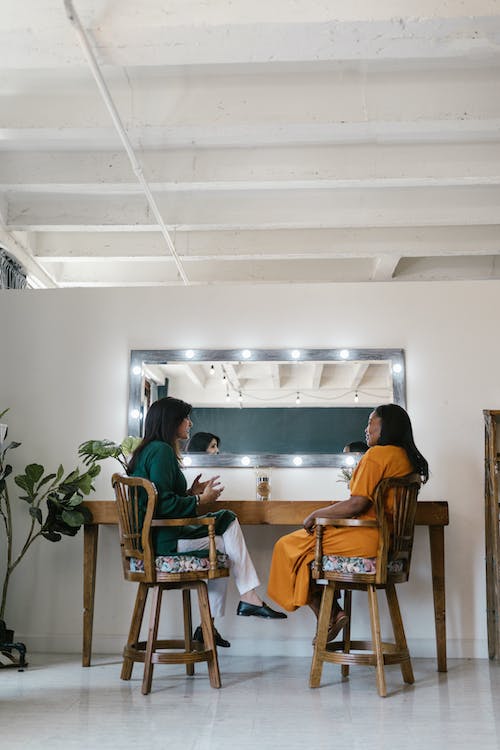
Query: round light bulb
[246, 353]
[135, 413]
[356, 398]
[212, 370]
[240, 397]
[189, 353]
[245, 460]
[397, 367]
[350, 461]
[344, 353]
[295, 354]
[187, 461]
[297, 400]
[137, 370]
[297, 461]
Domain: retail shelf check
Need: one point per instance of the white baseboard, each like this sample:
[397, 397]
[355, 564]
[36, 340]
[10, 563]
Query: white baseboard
[289, 647]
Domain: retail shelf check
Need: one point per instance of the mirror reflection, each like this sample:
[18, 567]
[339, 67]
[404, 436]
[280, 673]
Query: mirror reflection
[270, 406]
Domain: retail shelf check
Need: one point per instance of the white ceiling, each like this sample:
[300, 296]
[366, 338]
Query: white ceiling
[305, 141]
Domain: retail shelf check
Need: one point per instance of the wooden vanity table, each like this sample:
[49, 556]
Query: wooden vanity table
[433, 514]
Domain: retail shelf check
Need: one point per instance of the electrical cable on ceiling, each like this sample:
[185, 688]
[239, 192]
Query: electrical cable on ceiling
[110, 105]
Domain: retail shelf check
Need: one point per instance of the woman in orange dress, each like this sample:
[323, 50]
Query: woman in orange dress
[391, 453]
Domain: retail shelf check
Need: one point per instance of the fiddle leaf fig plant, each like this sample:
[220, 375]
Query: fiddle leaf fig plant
[54, 504]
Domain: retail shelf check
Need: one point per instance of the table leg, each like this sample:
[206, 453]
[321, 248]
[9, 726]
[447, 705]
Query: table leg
[90, 537]
[436, 538]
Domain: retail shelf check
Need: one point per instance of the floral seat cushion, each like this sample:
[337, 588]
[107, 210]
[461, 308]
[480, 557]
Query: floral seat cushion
[184, 563]
[339, 564]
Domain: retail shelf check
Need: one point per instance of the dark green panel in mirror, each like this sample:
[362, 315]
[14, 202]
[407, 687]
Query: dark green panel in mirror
[273, 430]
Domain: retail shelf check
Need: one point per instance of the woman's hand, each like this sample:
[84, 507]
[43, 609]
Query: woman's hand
[309, 523]
[211, 491]
[197, 487]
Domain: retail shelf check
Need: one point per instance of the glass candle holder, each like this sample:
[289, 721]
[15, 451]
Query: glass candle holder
[263, 485]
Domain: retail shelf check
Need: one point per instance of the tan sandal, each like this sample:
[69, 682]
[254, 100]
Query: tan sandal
[341, 620]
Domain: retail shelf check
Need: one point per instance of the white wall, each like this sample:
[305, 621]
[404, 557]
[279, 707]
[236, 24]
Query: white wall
[64, 375]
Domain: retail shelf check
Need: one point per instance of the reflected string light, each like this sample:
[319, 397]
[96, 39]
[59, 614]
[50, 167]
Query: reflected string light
[245, 460]
[350, 461]
[189, 353]
[187, 460]
[356, 398]
[297, 460]
[344, 353]
[246, 353]
[137, 370]
[397, 368]
[295, 354]
[212, 370]
[297, 400]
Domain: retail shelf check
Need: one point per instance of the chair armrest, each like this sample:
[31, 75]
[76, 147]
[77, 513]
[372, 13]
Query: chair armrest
[320, 523]
[196, 521]
[345, 522]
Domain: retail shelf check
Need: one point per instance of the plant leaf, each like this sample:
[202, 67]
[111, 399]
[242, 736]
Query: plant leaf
[129, 445]
[98, 450]
[51, 536]
[46, 479]
[36, 513]
[6, 471]
[73, 518]
[34, 472]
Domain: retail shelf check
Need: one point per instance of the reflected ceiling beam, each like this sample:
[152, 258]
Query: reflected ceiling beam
[196, 373]
[358, 374]
[275, 371]
[316, 376]
[232, 376]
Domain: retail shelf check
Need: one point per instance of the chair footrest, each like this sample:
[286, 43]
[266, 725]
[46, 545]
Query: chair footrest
[176, 654]
[361, 652]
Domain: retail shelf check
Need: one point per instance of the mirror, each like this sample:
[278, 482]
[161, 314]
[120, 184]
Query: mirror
[271, 407]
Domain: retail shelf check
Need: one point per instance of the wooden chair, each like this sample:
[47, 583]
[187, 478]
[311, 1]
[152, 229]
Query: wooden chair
[178, 571]
[391, 566]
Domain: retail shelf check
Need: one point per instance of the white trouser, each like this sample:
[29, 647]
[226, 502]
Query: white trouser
[232, 542]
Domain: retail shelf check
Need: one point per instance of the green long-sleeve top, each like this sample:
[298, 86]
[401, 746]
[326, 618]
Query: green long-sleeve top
[158, 463]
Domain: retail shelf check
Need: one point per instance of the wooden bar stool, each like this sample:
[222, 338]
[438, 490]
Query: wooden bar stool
[395, 505]
[136, 500]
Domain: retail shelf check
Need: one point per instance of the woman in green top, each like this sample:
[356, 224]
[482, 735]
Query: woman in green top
[158, 459]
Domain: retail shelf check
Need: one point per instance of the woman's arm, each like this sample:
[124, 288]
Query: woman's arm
[163, 470]
[354, 506]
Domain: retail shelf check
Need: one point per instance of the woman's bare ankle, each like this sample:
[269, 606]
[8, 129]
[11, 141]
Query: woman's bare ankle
[251, 597]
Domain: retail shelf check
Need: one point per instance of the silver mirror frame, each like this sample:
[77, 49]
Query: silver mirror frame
[140, 357]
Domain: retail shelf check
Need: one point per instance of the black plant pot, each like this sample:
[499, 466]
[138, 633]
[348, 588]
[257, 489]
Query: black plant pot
[7, 646]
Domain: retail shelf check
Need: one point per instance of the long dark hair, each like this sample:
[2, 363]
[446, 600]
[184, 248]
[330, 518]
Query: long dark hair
[162, 422]
[200, 442]
[397, 430]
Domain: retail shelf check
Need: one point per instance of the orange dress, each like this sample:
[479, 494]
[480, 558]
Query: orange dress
[289, 577]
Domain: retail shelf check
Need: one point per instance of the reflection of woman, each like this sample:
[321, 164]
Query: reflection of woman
[203, 442]
[392, 453]
[356, 447]
[157, 458]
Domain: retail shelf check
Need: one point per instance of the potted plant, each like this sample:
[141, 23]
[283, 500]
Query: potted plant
[54, 509]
